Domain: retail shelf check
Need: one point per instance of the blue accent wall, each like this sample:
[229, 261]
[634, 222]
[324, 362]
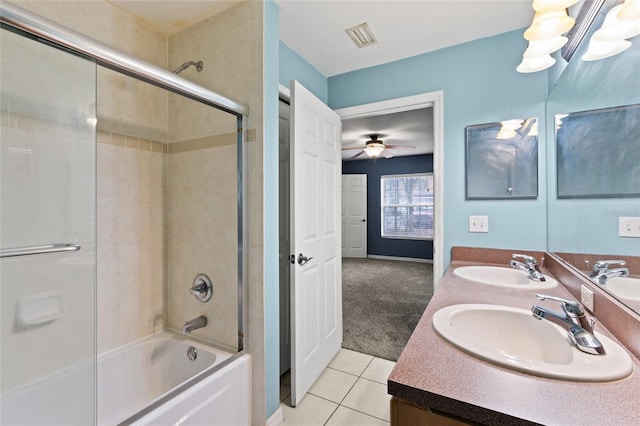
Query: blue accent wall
[295, 67]
[480, 85]
[374, 169]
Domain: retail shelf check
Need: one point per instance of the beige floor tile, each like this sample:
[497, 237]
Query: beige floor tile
[350, 361]
[311, 411]
[379, 370]
[344, 416]
[370, 398]
[333, 385]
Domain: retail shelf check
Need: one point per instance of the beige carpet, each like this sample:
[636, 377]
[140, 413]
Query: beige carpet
[382, 301]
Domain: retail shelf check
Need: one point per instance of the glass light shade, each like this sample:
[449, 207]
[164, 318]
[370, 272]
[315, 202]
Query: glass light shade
[535, 64]
[374, 149]
[630, 11]
[604, 49]
[506, 133]
[549, 25]
[613, 28]
[550, 5]
[511, 124]
[544, 47]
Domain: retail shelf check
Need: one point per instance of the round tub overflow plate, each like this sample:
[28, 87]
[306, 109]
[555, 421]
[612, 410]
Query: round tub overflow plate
[192, 353]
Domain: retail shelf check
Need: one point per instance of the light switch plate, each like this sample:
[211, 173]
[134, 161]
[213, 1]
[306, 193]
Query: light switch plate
[478, 223]
[586, 298]
[629, 227]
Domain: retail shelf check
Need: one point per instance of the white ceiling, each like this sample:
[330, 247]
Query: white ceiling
[315, 30]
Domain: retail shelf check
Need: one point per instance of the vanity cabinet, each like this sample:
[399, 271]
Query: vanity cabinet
[407, 413]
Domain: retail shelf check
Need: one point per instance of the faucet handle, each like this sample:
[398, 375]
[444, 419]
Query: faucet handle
[603, 265]
[572, 308]
[529, 260]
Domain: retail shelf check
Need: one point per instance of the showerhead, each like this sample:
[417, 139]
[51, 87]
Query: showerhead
[199, 65]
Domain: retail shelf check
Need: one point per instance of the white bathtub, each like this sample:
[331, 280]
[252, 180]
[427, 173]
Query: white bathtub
[131, 378]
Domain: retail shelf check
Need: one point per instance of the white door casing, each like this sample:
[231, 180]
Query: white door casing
[354, 215]
[316, 234]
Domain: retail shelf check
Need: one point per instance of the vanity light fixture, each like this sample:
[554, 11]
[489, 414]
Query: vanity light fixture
[508, 129]
[622, 22]
[545, 34]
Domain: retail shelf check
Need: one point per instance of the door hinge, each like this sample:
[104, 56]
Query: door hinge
[292, 259]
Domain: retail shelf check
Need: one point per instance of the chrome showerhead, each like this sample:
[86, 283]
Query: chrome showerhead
[199, 65]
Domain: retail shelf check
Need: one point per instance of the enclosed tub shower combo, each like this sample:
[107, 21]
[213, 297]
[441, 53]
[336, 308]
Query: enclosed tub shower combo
[121, 234]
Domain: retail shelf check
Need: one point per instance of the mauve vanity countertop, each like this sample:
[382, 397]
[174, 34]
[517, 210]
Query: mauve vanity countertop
[434, 374]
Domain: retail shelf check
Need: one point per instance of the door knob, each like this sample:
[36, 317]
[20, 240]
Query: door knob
[302, 260]
[364, 220]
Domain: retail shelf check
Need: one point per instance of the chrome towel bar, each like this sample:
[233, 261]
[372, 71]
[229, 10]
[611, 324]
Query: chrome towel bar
[44, 249]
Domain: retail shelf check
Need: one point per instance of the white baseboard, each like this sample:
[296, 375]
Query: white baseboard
[277, 418]
[399, 259]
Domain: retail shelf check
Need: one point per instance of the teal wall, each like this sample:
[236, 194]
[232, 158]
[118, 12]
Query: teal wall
[295, 67]
[591, 225]
[480, 85]
[271, 221]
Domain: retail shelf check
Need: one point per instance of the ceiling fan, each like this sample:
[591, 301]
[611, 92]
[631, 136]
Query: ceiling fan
[375, 147]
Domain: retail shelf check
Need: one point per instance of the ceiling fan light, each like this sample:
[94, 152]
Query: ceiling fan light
[604, 49]
[374, 150]
[549, 25]
[550, 5]
[613, 28]
[544, 47]
[529, 65]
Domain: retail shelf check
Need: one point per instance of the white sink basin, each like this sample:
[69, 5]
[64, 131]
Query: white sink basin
[513, 338]
[626, 289]
[503, 277]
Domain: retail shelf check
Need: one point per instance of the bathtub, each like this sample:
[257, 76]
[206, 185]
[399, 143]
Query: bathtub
[151, 381]
[152, 372]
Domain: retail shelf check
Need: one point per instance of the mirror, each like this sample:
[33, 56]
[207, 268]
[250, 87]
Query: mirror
[502, 160]
[586, 229]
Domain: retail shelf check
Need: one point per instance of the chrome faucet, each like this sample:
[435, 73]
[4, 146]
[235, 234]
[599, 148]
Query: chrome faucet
[572, 317]
[530, 266]
[194, 324]
[601, 272]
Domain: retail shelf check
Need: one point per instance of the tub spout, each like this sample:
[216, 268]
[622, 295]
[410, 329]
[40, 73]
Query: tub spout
[194, 324]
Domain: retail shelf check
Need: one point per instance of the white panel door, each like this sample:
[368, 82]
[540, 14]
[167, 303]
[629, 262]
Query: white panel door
[316, 234]
[354, 215]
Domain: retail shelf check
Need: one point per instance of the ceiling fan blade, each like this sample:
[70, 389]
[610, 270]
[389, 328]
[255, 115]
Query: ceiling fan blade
[353, 147]
[401, 146]
[387, 154]
[356, 156]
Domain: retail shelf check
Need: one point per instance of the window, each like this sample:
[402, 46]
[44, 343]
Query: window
[407, 206]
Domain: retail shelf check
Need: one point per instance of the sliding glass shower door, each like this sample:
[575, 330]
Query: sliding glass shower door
[47, 234]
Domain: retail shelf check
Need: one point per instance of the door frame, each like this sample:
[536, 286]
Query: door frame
[408, 103]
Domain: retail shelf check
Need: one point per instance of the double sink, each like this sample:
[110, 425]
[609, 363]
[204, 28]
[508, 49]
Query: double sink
[515, 339]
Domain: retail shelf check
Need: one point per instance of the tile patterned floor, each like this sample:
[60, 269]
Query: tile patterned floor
[351, 391]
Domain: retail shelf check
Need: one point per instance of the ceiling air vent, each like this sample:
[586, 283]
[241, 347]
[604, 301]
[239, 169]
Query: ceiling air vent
[362, 35]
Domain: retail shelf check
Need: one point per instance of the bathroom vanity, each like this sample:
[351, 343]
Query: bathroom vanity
[434, 382]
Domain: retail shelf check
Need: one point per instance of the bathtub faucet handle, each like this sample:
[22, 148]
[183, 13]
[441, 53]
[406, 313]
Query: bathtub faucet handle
[202, 288]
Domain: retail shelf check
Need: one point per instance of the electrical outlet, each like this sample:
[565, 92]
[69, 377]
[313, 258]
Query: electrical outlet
[629, 227]
[586, 298]
[478, 223]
